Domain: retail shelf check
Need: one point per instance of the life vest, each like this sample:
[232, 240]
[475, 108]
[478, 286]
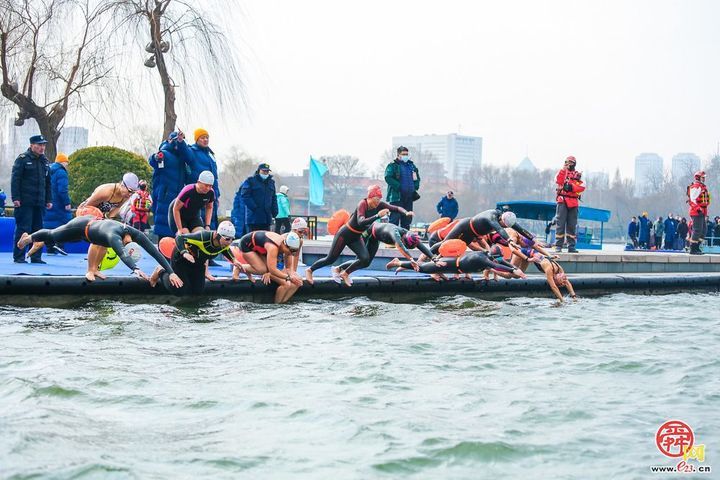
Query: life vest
[698, 198]
[571, 177]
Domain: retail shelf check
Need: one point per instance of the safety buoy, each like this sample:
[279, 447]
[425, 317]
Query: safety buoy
[453, 248]
[337, 220]
[442, 233]
[89, 210]
[237, 253]
[167, 246]
[438, 224]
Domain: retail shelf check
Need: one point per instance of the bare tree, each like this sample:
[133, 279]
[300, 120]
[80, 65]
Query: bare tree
[342, 169]
[142, 139]
[236, 167]
[183, 38]
[51, 54]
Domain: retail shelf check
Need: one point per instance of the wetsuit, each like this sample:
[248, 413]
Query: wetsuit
[468, 263]
[105, 233]
[201, 247]
[255, 242]
[350, 235]
[386, 233]
[472, 228]
[193, 208]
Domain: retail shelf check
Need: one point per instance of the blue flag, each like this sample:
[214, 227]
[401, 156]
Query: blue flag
[317, 187]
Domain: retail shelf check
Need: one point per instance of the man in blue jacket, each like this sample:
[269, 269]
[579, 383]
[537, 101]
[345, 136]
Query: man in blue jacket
[31, 195]
[200, 157]
[61, 211]
[448, 206]
[670, 232]
[632, 231]
[403, 180]
[169, 177]
[258, 194]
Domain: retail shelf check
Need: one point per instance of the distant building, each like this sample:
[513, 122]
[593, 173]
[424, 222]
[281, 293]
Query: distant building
[15, 140]
[72, 139]
[648, 173]
[684, 165]
[457, 153]
[526, 165]
[599, 180]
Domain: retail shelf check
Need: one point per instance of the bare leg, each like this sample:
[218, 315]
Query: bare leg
[309, 276]
[35, 247]
[285, 292]
[25, 240]
[394, 263]
[155, 277]
[346, 278]
[95, 256]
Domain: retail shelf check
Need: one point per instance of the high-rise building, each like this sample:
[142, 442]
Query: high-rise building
[72, 139]
[648, 173]
[16, 140]
[457, 153]
[684, 165]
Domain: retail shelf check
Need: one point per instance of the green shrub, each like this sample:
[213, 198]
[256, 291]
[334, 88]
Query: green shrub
[93, 166]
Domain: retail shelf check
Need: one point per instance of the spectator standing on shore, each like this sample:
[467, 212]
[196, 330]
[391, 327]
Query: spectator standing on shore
[699, 201]
[403, 180]
[169, 177]
[569, 186]
[632, 232]
[659, 227]
[448, 206]
[644, 233]
[716, 231]
[682, 233]
[200, 158]
[258, 194]
[238, 213]
[61, 211]
[31, 194]
[282, 220]
[670, 232]
[3, 198]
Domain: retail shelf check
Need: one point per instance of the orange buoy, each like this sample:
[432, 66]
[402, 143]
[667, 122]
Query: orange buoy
[337, 220]
[237, 254]
[438, 224]
[88, 210]
[453, 248]
[442, 233]
[167, 246]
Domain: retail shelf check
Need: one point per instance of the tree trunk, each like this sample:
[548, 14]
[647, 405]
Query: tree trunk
[168, 87]
[51, 134]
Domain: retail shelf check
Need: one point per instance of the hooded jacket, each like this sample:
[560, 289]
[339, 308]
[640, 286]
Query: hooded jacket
[259, 198]
[170, 175]
[59, 190]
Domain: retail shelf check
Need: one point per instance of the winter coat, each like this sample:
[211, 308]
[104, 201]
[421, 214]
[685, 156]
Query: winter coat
[283, 204]
[200, 159]
[392, 178]
[447, 207]
[237, 215]
[30, 180]
[169, 177]
[632, 230]
[644, 235]
[669, 228]
[259, 198]
[59, 188]
[659, 228]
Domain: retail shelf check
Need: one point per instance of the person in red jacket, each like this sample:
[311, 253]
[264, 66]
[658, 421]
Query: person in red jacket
[140, 206]
[699, 200]
[569, 187]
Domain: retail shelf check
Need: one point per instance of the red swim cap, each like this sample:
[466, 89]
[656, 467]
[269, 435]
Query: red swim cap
[374, 191]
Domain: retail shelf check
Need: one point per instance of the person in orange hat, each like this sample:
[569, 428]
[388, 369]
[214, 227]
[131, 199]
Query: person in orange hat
[367, 212]
[61, 211]
[200, 158]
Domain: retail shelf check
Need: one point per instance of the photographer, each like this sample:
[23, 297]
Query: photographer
[569, 187]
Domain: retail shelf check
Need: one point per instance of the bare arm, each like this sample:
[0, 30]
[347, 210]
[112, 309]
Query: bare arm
[551, 282]
[177, 206]
[208, 213]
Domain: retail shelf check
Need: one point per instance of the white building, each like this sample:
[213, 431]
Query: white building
[72, 139]
[457, 153]
[684, 165]
[648, 173]
[15, 140]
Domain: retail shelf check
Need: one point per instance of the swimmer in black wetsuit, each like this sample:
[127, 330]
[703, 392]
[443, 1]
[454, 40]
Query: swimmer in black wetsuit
[191, 257]
[470, 262]
[368, 211]
[470, 230]
[101, 234]
[386, 233]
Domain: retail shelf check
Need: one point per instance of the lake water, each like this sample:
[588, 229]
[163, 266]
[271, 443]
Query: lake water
[454, 387]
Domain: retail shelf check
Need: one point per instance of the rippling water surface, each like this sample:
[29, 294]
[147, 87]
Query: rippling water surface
[454, 387]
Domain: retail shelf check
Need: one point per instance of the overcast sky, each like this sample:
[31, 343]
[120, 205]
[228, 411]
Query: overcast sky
[602, 80]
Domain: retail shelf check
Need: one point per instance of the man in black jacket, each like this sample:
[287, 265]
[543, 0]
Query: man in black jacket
[30, 190]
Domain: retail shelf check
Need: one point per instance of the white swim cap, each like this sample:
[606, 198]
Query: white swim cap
[284, 189]
[509, 219]
[206, 177]
[292, 241]
[299, 224]
[130, 180]
[134, 251]
[226, 228]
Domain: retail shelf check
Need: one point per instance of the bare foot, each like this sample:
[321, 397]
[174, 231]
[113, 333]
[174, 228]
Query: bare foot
[155, 277]
[35, 247]
[395, 262]
[309, 276]
[99, 275]
[346, 278]
[90, 276]
[24, 241]
[438, 277]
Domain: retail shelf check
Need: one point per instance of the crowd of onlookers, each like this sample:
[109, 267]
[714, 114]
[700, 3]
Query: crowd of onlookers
[670, 233]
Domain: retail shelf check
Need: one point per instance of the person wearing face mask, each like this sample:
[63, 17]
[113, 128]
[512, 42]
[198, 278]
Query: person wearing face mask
[403, 180]
[259, 196]
[569, 186]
